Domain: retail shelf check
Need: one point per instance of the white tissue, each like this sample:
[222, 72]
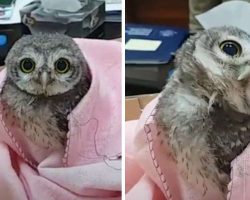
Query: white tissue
[231, 13]
[63, 5]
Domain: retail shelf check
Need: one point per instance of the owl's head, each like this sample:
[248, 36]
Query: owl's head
[219, 60]
[45, 64]
[223, 52]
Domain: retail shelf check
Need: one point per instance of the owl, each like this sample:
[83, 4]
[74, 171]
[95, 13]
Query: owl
[47, 76]
[203, 113]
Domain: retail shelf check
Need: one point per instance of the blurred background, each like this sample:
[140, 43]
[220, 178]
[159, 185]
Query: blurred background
[147, 71]
[99, 19]
[155, 29]
[165, 12]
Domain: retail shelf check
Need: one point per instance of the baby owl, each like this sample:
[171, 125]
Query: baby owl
[204, 110]
[47, 76]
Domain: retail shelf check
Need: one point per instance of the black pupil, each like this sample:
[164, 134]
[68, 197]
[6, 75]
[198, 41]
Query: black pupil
[230, 49]
[61, 65]
[27, 64]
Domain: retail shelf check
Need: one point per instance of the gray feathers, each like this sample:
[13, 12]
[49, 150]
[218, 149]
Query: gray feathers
[45, 50]
[204, 109]
[42, 111]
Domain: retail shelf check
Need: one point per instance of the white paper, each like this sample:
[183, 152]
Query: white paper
[231, 13]
[142, 45]
[113, 1]
[6, 13]
[113, 5]
[16, 18]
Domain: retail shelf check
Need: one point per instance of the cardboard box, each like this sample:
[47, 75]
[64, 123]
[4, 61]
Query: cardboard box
[134, 105]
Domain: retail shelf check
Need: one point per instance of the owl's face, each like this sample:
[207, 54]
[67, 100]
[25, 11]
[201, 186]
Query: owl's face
[45, 64]
[220, 58]
[225, 53]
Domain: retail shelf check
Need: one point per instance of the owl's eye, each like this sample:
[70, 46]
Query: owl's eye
[62, 65]
[27, 65]
[231, 48]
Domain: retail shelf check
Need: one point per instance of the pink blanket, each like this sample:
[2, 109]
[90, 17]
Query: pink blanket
[151, 173]
[90, 165]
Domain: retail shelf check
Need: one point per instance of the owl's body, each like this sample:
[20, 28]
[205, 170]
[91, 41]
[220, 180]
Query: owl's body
[204, 110]
[41, 99]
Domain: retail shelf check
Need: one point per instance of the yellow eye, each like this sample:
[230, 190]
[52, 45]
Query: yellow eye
[62, 65]
[27, 65]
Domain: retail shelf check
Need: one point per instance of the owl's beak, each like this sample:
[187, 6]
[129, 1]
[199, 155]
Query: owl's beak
[44, 79]
[244, 73]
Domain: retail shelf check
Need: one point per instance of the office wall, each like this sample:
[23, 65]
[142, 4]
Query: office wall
[168, 12]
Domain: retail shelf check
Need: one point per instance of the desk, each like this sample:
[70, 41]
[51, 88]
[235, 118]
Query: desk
[146, 79]
[112, 30]
[109, 30]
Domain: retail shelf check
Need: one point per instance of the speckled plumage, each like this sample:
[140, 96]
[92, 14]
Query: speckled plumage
[204, 110]
[42, 112]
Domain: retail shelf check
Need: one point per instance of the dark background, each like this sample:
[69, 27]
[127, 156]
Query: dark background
[159, 12]
[164, 12]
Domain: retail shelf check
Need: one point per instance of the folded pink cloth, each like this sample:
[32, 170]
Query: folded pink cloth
[90, 166]
[151, 174]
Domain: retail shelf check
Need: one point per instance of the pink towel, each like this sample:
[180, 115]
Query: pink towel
[151, 173]
[90, 165]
